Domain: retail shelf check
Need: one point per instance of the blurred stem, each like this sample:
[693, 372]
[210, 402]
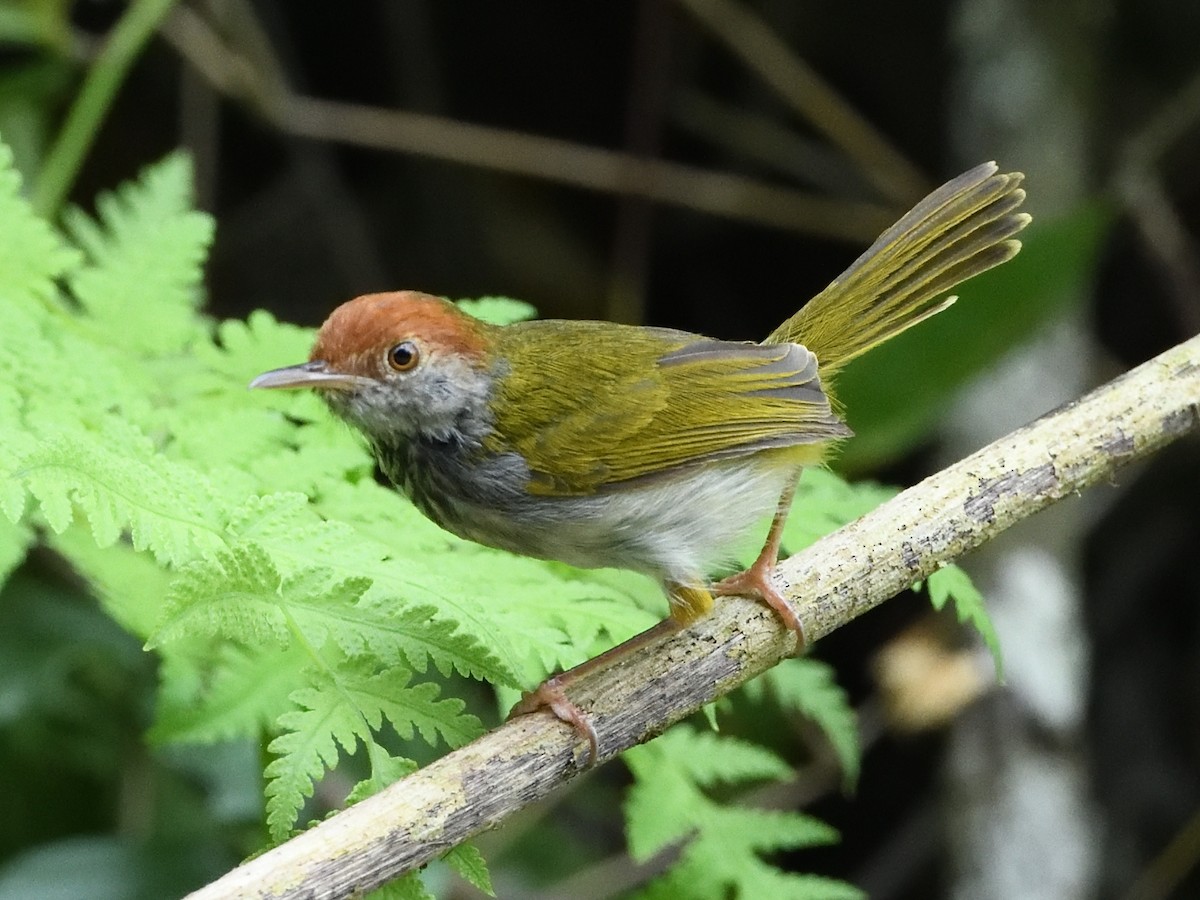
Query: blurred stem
[764, 52]
[87, 112]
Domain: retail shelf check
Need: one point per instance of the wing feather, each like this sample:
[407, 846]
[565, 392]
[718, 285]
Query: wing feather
[655, 401]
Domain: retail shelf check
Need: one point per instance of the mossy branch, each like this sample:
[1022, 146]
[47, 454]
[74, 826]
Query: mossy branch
[840, 577]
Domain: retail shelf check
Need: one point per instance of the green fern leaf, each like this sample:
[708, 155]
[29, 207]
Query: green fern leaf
[498, 310]
[409, 708]
[767, 881]
[385, 770]
[244, 696]
[825, 502]
[422, 637]
[666, 800]
[468, 862]
[144, 274]
[409, 887]
[385, 628]
[723, 860]
[358, 614]
[234, 593]
[114, 477]
[765, 830]
[344, 707]
[415, 564]
[810, 687]
[661, 808]
[15, 539]
[951, 583]
[308, 746]
[723, 844]
[244, 349]
[32, 256]
[131, 586]
[710, 759]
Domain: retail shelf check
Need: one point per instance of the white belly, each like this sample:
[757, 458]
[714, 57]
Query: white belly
[676, 529]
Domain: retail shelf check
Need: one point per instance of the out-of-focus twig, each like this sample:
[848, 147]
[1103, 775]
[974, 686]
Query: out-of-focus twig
[649, 88]
[533, 156]
[767, 142]
[1179, 858]
[763, 51]
[1139, 185]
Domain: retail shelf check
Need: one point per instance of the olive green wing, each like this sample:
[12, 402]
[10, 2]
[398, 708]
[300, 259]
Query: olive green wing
[605, 404]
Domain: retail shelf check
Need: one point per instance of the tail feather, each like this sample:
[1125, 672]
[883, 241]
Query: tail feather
[963, 228]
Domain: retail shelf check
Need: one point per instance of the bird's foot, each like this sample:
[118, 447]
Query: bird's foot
[550, 695]
[756, 582]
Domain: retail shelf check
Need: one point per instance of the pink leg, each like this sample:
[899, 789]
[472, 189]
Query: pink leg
[756, 580]
[551, 694]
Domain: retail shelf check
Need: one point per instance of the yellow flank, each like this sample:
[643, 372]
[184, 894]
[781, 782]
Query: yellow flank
[688, 602]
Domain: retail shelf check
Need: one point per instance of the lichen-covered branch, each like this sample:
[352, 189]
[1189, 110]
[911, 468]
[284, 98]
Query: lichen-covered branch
[832, 582]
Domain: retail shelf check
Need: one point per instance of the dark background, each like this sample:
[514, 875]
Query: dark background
[1102, 116]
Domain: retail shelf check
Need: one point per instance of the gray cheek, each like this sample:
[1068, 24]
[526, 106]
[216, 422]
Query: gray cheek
[448, 404]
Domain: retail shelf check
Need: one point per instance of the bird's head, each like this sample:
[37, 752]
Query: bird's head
[399, 365]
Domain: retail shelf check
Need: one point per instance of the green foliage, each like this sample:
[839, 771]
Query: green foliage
[722, 844]
[499, 310]
[952, 583]
[824, 502]
[468, 862]
[294, 603]
[807, 686]
[292, 599]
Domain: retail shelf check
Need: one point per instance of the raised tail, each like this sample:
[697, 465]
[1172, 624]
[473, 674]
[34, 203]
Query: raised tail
[961, 229]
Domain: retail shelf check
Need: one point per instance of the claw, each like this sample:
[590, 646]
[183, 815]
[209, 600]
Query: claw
[550, 695]
[756, 582]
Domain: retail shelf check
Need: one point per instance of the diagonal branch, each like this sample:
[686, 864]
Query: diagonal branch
[833, 581]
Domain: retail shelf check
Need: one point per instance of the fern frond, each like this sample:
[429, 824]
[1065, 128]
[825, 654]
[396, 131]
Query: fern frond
[411, 563]
[711, 759]
[385, 769]
[15, 539]
[145, 255]
[723, 844]
[308, 746]
[114, 479]
[244, 696]
[132, 586]
[410, 887]
[363, 595]
[809, 686]
[344, 707]
[468, 862]
[32, 256]
[233, 594]
[950, 582]
[824, 502]
[409, 708]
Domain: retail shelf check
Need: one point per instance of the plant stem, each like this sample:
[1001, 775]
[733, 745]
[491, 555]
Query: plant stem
[106, 75]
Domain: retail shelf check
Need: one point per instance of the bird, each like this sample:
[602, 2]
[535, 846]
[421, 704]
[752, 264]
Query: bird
[644, 448]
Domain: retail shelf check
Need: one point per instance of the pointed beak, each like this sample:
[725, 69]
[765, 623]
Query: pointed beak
[315, 374]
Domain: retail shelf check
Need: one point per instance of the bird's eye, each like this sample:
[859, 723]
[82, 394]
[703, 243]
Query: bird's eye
[404, 356]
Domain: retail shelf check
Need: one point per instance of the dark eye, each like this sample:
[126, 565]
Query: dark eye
[404, 356]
